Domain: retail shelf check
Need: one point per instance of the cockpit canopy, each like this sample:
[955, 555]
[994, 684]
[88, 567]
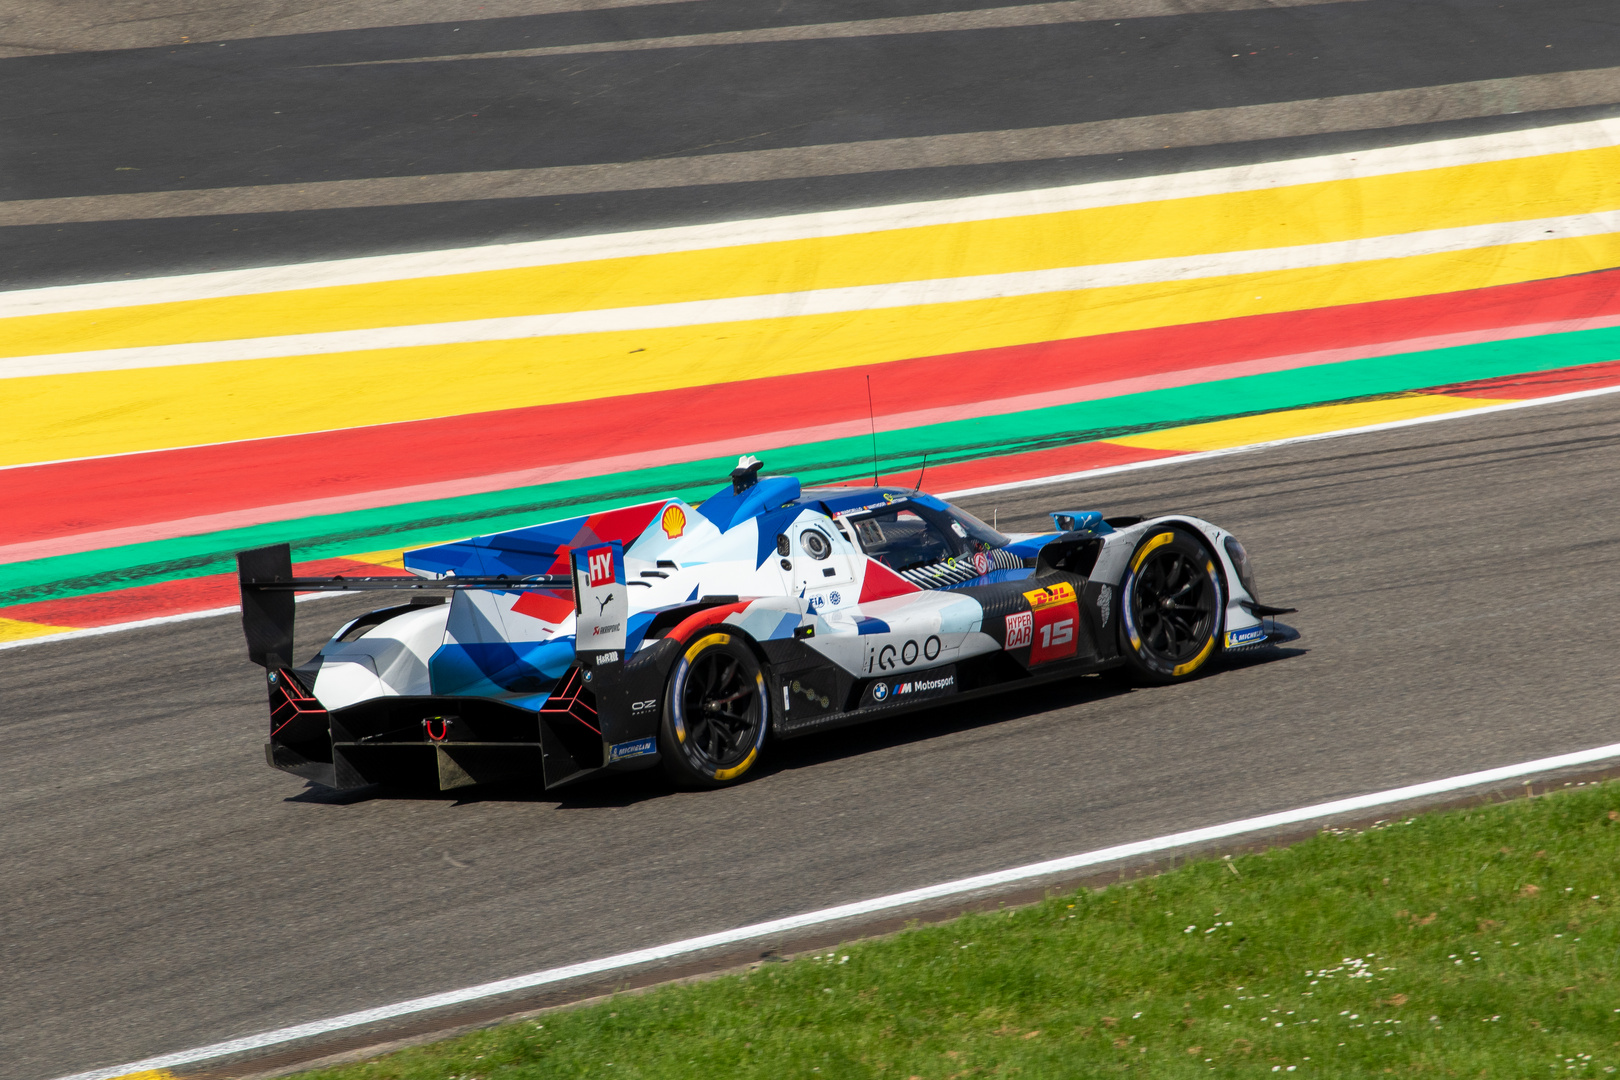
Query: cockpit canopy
[906, 529]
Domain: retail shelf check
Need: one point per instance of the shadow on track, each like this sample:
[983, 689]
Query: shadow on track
[785, 756]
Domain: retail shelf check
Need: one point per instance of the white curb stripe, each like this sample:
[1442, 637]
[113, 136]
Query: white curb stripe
[900, 294]
[861, 908]
[1383, 161]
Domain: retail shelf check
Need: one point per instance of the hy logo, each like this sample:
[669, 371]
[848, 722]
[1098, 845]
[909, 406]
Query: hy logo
[600, 565]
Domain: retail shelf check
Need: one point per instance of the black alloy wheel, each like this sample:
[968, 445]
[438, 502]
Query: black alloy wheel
[1172, 607]
[715, 714]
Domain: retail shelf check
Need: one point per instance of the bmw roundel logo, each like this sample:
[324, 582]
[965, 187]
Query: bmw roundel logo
[880, 691]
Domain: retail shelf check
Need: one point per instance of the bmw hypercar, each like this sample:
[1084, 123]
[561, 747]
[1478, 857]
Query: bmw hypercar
[681, 636]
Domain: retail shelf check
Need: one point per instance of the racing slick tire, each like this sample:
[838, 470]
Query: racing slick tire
[716, 713]
[1170, 608]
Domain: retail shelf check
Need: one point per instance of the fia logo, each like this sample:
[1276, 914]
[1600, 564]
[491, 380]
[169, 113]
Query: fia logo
[600, 564]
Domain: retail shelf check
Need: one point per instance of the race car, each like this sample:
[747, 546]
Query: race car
[680, 636]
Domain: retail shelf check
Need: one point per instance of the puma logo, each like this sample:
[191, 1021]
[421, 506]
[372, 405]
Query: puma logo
[603, 603]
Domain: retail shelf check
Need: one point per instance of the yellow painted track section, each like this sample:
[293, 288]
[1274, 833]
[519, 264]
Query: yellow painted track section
[1516, 189]
[1317, 420]
[394, 559]
[54, 417]
[17, 630]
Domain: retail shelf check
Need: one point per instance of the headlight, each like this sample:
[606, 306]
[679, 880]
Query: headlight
[1240, 560]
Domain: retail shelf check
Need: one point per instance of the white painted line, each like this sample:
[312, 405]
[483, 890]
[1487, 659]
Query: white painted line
[859, 909]
[1039, 481]
[818, 302]
[1446, 153]
[160, 620]
[1206, 455]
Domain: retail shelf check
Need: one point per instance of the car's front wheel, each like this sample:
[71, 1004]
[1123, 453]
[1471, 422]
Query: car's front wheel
[1170, 607]
[715, 713]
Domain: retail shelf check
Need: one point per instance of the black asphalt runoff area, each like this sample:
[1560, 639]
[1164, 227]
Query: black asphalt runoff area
[293, 109]
[168, 890]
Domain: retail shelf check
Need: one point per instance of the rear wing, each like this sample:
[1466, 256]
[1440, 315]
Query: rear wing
[267, 583]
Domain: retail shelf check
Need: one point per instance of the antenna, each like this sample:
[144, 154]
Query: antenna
[872, 415]
[917, 487]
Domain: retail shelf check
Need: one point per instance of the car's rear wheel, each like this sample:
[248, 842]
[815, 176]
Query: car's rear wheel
[715, 713]
[1171, 607]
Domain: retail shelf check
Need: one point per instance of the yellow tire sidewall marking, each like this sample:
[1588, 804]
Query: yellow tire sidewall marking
[1146, 549]
[705, 642]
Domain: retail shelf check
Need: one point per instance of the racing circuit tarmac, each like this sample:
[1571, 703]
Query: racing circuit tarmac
[1455, 583]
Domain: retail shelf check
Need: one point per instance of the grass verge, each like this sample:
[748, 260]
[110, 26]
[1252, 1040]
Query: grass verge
[1479, 942]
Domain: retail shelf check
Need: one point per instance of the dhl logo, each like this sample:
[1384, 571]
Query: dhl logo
[1051, 595]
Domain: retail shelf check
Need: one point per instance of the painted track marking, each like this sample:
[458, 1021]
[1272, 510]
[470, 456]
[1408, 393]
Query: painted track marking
[1040, 481]
[772, 306]
[380, 269]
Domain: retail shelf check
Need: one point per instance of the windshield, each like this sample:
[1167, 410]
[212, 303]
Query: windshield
[900, 538]
[982, 535]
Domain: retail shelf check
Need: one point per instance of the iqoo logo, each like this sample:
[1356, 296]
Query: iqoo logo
[890, 657]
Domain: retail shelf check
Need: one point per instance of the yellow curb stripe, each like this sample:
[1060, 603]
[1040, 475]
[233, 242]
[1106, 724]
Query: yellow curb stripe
[1292, 423]
[1516, 189]
[394, 558]
[56, 417]
[17, 630]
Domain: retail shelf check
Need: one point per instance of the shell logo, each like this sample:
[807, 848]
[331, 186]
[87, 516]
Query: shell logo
[674, 521]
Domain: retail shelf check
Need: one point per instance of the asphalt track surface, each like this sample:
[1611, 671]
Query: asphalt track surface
[333, 100]
[1454, 581]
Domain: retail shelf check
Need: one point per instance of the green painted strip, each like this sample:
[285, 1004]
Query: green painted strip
[417, 524]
